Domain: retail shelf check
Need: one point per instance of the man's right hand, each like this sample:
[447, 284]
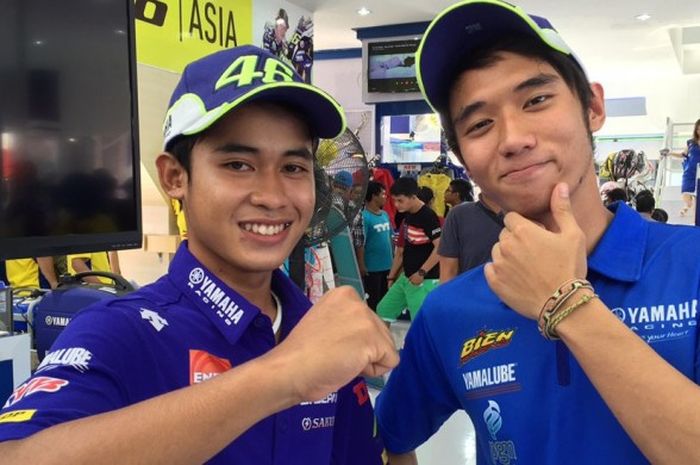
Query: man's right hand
[338, 339]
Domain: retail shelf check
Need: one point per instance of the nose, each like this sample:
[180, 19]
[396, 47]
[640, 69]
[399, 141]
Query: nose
[268, 190]
[516, 136]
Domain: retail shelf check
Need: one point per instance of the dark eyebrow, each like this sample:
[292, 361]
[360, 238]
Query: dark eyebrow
[467, 111]
[301, 152]
[540, 80]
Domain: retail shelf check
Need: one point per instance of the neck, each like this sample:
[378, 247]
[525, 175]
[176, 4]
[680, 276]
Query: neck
[373, 208]
[416, 206]
[490, 205]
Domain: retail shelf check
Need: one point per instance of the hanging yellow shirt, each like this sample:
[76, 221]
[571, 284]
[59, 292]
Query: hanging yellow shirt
[22, 272]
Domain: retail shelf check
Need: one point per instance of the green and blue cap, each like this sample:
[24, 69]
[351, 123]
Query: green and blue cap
[466, 27]
[214, 85]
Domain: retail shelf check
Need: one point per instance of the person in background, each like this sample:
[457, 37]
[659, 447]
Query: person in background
[378, 248]
[427, 196]
[615, 195]
[690, 167]
[94, 261]
[415, 270]
[559, 347]
[470, 231]
[35, 273]
[459, 190]
[223, 360]
[660, 215]
[644, 203]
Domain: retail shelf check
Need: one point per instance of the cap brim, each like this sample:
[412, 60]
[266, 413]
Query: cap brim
[465, 27]
[325, 116]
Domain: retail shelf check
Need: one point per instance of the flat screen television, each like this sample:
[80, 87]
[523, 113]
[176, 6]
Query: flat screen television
[389, 70]
[69, 161]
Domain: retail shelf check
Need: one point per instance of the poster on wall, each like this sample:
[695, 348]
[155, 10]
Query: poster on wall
[297, 50]
[172, 33]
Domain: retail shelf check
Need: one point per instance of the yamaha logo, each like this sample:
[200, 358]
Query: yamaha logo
[620, 313]
[196, 276]
[56, 320]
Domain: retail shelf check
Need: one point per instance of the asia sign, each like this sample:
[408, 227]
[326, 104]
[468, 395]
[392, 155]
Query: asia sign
[172, 33]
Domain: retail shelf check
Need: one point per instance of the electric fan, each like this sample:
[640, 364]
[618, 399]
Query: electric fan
[342, 175]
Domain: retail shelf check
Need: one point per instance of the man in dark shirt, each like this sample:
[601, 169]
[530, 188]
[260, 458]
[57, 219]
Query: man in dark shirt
[416, 252]
[471, 229]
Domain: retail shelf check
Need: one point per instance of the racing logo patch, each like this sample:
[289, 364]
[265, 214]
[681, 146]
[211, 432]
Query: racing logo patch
[17, 416]
[34, 385]
[204, 366]
[484, 341]
[361, 392]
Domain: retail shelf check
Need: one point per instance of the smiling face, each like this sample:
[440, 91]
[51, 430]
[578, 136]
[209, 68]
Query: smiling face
[521, 130]
[250, 194]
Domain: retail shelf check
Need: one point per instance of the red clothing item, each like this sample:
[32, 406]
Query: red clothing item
[387, 180]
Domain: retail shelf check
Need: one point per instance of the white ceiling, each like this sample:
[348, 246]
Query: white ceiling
[603, 33]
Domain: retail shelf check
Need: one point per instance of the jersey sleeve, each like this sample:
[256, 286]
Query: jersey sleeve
[432, 226]
[355, 436]
[418, 398]
[449, 239]
[80, 376]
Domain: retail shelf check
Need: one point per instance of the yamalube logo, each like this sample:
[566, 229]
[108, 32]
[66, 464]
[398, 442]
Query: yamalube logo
[75, 357]
[494, 380]
[214, 297]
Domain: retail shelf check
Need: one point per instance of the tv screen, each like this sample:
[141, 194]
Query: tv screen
[391, 66]
[69, 161]
[389, 70]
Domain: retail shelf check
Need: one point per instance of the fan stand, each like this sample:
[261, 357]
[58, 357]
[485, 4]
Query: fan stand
[297, 265]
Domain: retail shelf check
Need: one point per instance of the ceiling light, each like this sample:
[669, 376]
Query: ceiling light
[364, 11]
[643, 17]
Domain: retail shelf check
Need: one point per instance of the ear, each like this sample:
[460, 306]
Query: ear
[596, 111]
[172, 176]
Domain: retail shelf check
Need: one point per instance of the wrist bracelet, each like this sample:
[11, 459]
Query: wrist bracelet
[560, 296]
[550, 330]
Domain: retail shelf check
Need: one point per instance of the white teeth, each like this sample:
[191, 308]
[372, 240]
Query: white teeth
[264, 229]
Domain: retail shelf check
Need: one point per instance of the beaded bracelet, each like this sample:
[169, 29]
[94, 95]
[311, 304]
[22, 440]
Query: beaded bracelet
[560, 296]
[550, 331]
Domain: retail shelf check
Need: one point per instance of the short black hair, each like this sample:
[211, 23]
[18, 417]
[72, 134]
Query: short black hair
[426, 194]
[616, 194]
[373, 188]
[660, 215]
[463, 188]
[404, 186]
[644, 201]
[526, 46]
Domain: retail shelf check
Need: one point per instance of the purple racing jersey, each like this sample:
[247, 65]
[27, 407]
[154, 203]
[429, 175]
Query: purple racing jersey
[184, 329]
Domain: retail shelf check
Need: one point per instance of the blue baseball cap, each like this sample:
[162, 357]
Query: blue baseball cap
[466, 27]
[214, 85]
[343, 178]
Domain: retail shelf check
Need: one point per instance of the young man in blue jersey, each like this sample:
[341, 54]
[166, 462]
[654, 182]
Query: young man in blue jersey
[615, 379]
[378, 250]
[194, 367]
